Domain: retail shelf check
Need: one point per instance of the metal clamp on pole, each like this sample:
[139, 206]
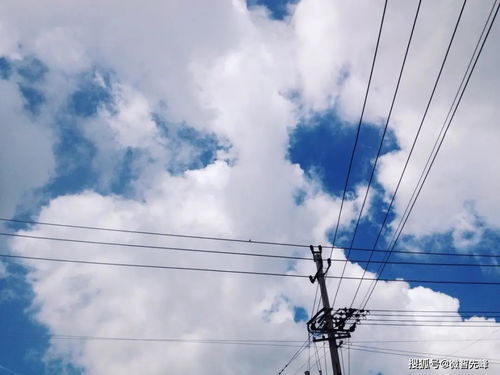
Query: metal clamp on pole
[316, 257]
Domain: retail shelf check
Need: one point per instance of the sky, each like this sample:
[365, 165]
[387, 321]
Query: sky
[238, 119]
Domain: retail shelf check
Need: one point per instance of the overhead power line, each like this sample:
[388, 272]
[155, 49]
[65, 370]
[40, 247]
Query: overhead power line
[403, 64]
[436, 311]
[295, 355]
[413, 252]
[455, 315]
[237, 253]
[346, 184]
[216, 270]
[440, 137]
[422, 319]
[262, 342]
[154, 247]
[272, 343]
[163, 234]
[423, 353]
[406, 353]
[493, 325]
[446, 126]
[396, 190]
[418, 341]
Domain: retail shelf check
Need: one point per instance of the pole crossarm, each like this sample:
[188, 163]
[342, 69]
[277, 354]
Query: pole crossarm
[344, 323]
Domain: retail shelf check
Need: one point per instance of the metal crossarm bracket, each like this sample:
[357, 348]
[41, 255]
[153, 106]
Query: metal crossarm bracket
[344, 322]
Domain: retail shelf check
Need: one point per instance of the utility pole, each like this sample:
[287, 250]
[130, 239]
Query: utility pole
[331, 326]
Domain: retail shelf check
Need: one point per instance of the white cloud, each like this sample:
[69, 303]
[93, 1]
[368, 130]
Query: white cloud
[221, 68]
[60, 50]
[25, 164]
[120, 302]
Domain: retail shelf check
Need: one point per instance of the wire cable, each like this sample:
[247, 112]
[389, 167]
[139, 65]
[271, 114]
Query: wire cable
[404, 220]
[359, 127]
[217, 270]
[455, 320]
[275, 243]
[262, 342]
[436, 311]
[249, 241]
[316, 356]
[417, 341]
[424, 116]
[430, 325]
[381, 143]
[349, 356]
[299, 369]
[405, 353]
[342, 359]
[223, 252]
[294, 356]
[324, 356]
[122, 244]
[456, 315]
[443, 127]
[421, 353]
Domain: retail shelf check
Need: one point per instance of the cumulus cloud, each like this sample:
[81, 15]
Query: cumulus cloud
[117, 302]
[26, 165]
[233, 72]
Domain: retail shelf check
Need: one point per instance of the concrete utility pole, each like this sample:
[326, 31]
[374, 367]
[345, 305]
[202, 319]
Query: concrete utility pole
[327, 324]
[328, 319]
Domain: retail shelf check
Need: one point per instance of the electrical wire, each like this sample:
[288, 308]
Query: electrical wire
[429, 325]
[301, 367]
[223, 252]
[318, 360]
[324, 356]
[436, 311]
[405, 219]
[210, 238]
[424, 116]
[406, 352]
[396, 90]
[349, 356]
[443, 127]
[427, 315]
[256, 242]
[417, 341]
[456, 319]
[359, 126]
[216, 270]
[309, 353]
[262, 342]
[236, 271]
[431, 314]
[414, 354]
[122, 244]
[294, 356]
[169, 340]
[342, 359]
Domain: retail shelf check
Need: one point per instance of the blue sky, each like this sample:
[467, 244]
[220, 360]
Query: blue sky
[194, 131]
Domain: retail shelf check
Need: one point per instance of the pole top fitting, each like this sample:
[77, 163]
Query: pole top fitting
[320, 249]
